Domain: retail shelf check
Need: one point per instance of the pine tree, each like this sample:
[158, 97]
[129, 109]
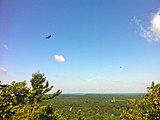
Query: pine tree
[17, 101]
[40, 87]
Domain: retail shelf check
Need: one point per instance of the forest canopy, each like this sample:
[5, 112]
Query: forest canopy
[19, 102]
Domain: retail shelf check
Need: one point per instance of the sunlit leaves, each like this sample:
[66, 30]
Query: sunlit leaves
[147, 108]
[17, 101]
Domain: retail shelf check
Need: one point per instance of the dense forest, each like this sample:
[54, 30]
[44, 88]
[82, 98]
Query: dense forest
[19, 102]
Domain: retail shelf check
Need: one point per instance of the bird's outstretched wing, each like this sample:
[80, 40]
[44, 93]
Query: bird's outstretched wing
[48, 37]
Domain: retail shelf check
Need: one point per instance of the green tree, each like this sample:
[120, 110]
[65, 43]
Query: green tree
[147, 108]
[80, 115]
[12, 97]
[40, 87]
[47, 113]
[17, 101]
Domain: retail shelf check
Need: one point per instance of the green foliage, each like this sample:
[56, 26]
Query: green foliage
[27, 112]
[47, 113]
[17, 101]
[40, 87]
[80, 115]
[12, 97]
[91, 106]
[147, 108]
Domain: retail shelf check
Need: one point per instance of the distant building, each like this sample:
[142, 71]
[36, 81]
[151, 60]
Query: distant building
[113, 100]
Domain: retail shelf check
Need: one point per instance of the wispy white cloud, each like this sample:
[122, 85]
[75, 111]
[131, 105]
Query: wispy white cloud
[155, 24]
[59, 58]
[4, 46]
[151, 32]
[2, 70]
[91, 79]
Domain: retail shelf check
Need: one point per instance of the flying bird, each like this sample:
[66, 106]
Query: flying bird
[70, 109]
[48, 37]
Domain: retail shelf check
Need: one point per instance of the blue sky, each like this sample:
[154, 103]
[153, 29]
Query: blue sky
[107, 46]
